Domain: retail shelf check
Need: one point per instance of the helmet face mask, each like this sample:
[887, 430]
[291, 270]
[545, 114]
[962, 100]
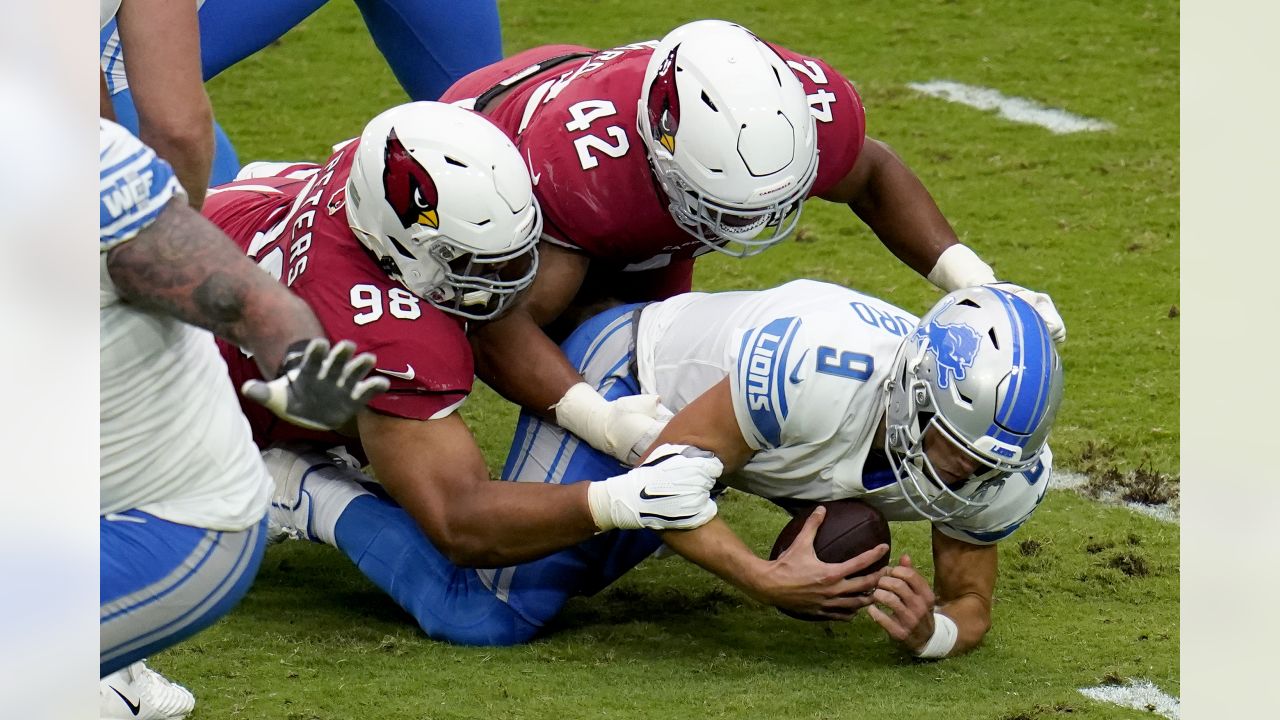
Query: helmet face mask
[444, 202]
[729, 136]
[979, 373]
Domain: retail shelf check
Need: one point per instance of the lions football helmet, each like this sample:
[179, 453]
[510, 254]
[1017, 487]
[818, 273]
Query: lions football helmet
[729, 135]
[982, 369]
[443, 200]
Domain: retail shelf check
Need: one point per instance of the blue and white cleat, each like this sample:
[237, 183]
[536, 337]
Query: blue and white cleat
[290, 514]
[139, 693]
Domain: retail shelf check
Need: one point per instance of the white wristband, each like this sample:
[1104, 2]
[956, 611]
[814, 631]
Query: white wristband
[944, 637]
[583, 412]
[599, 502]
[959, 267]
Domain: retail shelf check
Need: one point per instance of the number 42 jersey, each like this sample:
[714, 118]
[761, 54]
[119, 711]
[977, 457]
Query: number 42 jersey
[571, 111]
[807, 364]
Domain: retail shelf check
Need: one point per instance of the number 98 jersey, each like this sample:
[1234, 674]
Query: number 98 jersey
[571, 111]
[291, 219]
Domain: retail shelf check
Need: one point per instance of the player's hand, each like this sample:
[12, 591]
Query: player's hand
[904, 592]
[797, 581]
[671, 491]
[1043, 305]
[623, 428]
[318, 387]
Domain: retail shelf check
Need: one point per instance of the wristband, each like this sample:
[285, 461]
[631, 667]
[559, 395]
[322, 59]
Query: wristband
[944, 637]
[959, 267]
[583, 412]
[599, 502]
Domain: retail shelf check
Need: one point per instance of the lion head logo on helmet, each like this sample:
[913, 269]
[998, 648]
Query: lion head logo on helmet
[954, 346]
[664, 103]
[409, 188]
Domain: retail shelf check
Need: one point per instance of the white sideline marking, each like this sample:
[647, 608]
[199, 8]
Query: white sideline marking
[1139, 695]
[1064, 480]
[1021, 110]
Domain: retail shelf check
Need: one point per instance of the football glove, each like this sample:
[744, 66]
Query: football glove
[623, 428]
[318, 387]
[671, 491]
[1043, 305]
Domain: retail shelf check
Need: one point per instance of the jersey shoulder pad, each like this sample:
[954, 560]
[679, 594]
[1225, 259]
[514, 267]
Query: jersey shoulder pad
[589, 166]
[134, 185]
[838, 111]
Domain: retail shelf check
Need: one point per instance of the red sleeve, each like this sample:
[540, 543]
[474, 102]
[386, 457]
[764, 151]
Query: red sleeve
[841, 119]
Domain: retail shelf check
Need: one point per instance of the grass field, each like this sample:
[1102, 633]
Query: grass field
[1087, 592]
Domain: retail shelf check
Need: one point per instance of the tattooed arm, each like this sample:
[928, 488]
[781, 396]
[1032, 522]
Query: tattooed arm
[183, 266]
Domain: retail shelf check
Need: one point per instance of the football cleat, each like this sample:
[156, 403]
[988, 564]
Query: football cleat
[289, 517]
[137, 692]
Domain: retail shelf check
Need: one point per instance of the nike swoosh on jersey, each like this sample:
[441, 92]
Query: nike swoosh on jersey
[405, 375]
[795, 373]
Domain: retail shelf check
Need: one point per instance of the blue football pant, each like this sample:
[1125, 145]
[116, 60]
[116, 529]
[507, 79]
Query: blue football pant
[506, 606]
[162, 582]
[429, 44]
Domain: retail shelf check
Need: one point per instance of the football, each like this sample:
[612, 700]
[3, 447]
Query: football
[850, 528]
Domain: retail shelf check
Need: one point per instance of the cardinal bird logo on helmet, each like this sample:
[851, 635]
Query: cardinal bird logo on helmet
[664, 104]
[409, 188]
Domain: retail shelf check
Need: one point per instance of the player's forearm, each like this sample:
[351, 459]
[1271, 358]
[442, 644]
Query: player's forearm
[188, 146]
[972, 616]
[517, 359]
[896, 206]
[504, 523]
[184, 267]
[714, 547]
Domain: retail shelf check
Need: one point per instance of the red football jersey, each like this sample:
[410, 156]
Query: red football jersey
[294, 225]
[574, 120]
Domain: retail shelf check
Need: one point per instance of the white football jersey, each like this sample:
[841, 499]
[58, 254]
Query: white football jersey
[173, 440]
[807, 364]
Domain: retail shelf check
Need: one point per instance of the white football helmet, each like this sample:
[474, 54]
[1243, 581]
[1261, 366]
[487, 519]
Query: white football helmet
[981, 368]
[729, 134]
[443, 200]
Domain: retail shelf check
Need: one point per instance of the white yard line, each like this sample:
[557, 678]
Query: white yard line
[1020, 110]
[1139, 695]
[1065, 480]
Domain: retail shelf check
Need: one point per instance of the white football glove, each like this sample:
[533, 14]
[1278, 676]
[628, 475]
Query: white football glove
[623, 428]
[672, 491]
[318, 388]
[1043, 305]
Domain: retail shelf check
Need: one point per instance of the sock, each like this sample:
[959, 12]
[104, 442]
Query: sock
[332, 489]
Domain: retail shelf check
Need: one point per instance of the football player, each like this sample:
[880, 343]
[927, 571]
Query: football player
[183, 489]
[425, 222]
[163, 100]
[647, 155]
[429, 44]
[806, 392]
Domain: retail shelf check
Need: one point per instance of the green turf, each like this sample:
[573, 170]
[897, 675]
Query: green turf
[1091, 218]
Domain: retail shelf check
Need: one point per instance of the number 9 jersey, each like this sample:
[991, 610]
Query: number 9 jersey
[807, 364]
[291, 220]
[572, 113]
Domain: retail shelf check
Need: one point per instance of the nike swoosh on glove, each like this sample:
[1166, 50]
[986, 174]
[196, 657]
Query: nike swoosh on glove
[671, 491]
